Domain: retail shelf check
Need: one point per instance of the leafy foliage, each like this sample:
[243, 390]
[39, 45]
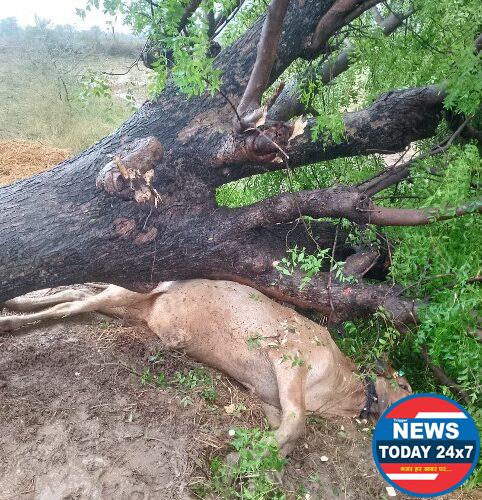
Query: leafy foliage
[182, 43]
[197, 379]
[440, 261]
[250, 476]
[309, 263]
[93, 85]
[436, 46]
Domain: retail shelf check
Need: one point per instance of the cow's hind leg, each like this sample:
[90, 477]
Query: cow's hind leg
[28, 304]
[111, 301]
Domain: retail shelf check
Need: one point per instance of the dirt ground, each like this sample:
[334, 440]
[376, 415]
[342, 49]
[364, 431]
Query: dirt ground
[76, 423]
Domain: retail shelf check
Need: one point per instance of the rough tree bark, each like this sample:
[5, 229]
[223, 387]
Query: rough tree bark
[135, 213]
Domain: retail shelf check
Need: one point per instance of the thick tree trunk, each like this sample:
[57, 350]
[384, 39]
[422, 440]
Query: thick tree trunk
[59, 227]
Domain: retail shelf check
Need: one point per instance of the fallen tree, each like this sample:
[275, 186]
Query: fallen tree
[140, 207]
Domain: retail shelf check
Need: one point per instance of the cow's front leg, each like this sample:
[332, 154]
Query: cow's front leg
[273, 414]
[291, 388]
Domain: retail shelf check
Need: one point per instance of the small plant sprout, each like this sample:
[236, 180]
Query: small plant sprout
[297, 360]
[251, 475]
[161, 381]
[198, 380]
[147, 377]
[158, 357]
[254, 341]
[186, 401]
[309, 263]
[338, 267]
[240, 407]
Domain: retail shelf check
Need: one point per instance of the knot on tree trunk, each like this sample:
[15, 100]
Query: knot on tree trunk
[261, 145]
[272, 141]
[129, 175]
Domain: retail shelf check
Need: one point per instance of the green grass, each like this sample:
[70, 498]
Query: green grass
[195, 382]
[41, 96]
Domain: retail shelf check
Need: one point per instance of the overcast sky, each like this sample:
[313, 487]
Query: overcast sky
[58, 11]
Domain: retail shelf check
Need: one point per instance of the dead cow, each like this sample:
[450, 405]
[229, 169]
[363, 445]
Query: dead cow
[290, 362]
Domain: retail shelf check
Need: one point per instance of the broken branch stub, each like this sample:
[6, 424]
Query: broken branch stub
[264, 145]
[129, 175]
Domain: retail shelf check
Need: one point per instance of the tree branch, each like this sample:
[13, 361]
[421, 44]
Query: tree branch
[289, 103]
[393, 21]
[377, 16]
[189, 10]
[359, 10]
[382, 216]
[443, 378]
[333, 202]
[337, 202]
[360, 263]
[348, 300]
[397, 173]
[149, 54]
[342, 13]
[390, 123]
[211, 20]
[253, 256]
[223, 19]
[250, 103]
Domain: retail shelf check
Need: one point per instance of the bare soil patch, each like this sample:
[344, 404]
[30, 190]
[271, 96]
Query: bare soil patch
[75, 422]
[20, 158]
